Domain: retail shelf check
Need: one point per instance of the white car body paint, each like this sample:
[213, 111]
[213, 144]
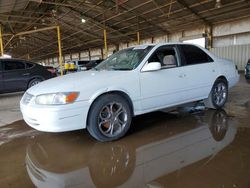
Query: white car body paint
[148, 91]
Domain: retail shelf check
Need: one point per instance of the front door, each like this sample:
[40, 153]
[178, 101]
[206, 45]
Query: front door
[165, 87]
[14, 75]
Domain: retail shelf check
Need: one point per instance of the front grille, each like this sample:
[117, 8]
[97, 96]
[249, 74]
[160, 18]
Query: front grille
[26, 98]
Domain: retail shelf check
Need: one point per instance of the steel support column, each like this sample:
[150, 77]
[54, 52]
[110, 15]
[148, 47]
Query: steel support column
[138, 37]
[59, 48]
[105, 43]
[1, 41]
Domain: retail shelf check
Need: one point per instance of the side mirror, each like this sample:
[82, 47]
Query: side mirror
[152, 66]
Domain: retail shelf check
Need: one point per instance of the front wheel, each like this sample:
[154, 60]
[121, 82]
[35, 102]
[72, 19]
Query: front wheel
[218, 95]
[109, 118]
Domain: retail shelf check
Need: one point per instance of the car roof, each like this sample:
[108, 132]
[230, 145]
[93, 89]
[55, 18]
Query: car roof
[156, 45]
[13, 59]
[164, 43]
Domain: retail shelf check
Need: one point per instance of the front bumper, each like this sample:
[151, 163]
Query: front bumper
[233, 80]
[59, 118]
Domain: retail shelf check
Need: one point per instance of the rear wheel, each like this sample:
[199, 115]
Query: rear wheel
[218, 95]
[109, 118]
[219, 124]
[34, 82]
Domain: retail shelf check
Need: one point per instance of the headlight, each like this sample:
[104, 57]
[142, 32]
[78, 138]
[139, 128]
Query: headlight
[57, 98]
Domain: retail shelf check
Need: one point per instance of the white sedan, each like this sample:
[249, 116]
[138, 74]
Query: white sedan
[131, 82]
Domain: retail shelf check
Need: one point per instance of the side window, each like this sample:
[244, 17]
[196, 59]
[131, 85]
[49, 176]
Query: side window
[13, 65]
[167, 56]
[194, 55]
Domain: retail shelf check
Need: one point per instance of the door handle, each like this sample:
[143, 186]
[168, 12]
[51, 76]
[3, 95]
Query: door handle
[26, 74]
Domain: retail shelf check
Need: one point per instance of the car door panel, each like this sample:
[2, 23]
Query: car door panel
[166, 87]
[162, 88]
[199, 71]
[201, 81]
[15, 80]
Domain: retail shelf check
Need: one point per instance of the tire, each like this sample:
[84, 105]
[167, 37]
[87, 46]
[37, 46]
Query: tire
[109, 118]
[218, 124]
[218, 95]
[116, 161]
[34, 82]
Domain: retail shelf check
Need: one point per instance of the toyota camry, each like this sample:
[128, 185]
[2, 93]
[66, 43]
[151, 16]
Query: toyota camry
[130, 82]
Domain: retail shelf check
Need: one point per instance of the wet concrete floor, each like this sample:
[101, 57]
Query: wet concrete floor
[209, 149]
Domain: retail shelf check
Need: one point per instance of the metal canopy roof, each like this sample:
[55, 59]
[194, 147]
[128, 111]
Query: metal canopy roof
[121, 18]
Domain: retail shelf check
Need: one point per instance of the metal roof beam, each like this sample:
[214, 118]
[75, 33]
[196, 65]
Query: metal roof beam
[127, 8]
[98, 24]
[184, 4]
[73, 27]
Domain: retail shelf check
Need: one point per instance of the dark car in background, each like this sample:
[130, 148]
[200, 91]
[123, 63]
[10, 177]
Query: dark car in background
[247, 70]
[78, 65]
[92, 64]
[19, 75]
[85, 64]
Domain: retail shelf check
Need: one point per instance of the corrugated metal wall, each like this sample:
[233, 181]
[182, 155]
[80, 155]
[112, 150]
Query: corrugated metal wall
[239, 54]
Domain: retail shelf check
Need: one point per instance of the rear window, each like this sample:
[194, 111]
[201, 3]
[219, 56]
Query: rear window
[194, 55]
[29, 65]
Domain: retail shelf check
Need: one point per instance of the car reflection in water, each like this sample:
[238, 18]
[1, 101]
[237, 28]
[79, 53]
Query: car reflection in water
[130, 162]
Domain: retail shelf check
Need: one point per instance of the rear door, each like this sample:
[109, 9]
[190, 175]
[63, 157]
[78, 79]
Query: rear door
[199, 70]
[14, 75]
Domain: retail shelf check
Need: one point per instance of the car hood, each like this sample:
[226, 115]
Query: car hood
[83, 81]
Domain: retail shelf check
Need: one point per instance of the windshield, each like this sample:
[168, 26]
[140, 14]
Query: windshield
[127, 59]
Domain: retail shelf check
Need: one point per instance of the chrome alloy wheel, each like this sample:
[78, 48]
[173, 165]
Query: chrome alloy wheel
[34, 83]
[220, 94]
[112, 119]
